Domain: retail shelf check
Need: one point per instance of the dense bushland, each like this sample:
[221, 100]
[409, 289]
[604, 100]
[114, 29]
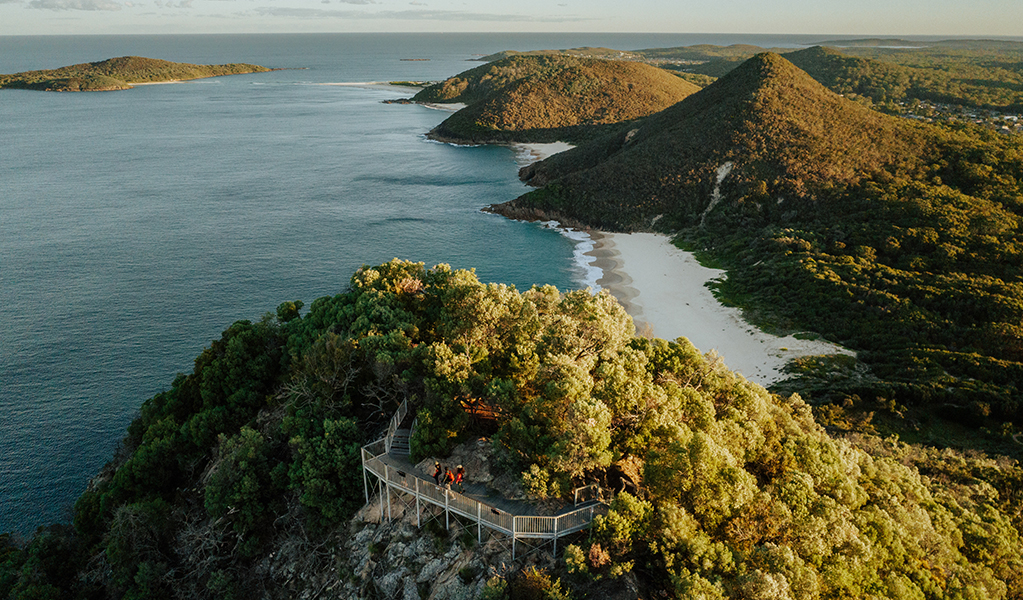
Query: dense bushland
[732, 491]
[975, 73]
[899, 240]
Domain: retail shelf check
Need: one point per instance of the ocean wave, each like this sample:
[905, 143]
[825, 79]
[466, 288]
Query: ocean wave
[586, 274]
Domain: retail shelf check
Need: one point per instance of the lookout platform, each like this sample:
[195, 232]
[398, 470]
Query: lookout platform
[387, 461]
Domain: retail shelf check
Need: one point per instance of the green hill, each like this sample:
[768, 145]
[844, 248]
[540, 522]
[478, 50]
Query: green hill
[851, 75]
[118, 74]
[242, 478]
[979, 73]
[899, 240]
[550, 97]
[770, 120]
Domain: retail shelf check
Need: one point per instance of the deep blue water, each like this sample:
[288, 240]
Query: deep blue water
[135, 226]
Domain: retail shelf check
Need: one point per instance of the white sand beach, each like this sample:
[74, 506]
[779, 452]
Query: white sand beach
[530, 153]
[664, 289]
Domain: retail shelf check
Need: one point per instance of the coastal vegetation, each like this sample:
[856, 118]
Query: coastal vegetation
[897, 239]
[891, 74]
[118, 74]
[975, 73]
[546, 98]
[723, 489]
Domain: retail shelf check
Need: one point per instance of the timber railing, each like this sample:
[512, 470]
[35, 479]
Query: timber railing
[484, 515]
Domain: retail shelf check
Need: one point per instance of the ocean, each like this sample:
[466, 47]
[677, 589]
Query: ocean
[135, 226]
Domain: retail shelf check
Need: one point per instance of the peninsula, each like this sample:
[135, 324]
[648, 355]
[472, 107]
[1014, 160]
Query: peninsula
[119, 74]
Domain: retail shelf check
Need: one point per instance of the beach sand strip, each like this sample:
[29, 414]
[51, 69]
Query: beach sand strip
[665, 291]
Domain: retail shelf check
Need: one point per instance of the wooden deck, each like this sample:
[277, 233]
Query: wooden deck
[477, 491]
[515, 518]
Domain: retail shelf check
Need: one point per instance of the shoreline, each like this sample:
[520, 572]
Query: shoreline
[665, 291]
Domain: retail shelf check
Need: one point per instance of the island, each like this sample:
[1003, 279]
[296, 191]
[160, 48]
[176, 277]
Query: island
[119, 74]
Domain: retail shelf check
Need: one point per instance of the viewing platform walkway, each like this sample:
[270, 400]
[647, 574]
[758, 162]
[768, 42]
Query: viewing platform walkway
[387, 461]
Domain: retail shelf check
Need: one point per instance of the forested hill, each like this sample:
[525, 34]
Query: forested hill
[118, 74]
[844, 74]
[992, 84]
[897, 239]
[784, 135]
[539, 98]
[240, 480]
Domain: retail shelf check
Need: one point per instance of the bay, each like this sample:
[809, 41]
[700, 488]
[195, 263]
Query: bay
[135, 226]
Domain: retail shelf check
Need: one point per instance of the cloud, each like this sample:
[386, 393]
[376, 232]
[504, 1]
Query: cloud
[75, 4]
[410, 15]
[414, 3]
[9, 1]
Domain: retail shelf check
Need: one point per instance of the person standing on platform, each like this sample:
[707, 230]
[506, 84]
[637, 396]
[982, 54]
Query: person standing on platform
[459, 476]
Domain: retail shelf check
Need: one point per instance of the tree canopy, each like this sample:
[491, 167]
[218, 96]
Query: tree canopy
[897, 239]
[734, 492]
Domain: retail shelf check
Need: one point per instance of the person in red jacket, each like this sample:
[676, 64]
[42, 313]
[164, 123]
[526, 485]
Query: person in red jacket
[459, 476]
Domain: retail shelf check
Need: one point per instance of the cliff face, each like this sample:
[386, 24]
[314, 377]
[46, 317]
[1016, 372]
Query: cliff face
[398, 560]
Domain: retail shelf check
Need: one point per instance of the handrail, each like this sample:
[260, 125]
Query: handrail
[394, 424]
[522, 526]
[594, 490]
[517, 526]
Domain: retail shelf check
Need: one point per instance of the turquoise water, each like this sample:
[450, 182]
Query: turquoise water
[135, 226]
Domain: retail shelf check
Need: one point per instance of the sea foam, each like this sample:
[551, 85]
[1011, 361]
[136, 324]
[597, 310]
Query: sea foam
[585, 273]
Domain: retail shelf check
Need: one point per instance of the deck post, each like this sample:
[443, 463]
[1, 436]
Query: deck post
[447, 513]
[387, 485]
[514, 519]
[417, 503]
[555, 537]
[479, 522]
[365, 483]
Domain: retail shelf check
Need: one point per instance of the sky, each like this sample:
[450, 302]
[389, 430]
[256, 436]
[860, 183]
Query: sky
[980, 18]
